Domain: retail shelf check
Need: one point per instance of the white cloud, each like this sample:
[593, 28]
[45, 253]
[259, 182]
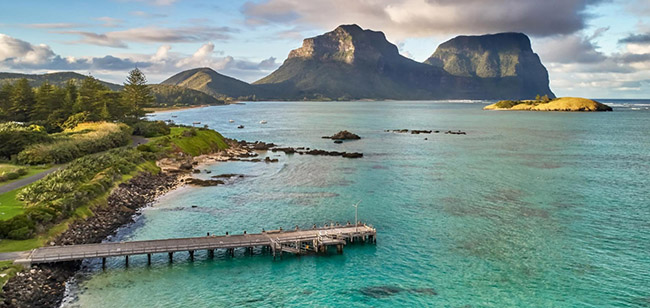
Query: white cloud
[17, 51]
[423, 18]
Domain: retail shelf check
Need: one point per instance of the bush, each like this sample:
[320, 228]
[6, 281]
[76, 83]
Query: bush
[16, 137]
[146, 148]
[86, 138]
[151, 129]
[60, 193]
[21, 171]
[12, 176]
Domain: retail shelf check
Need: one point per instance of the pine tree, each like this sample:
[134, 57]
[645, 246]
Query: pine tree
[5, 100]
[136, 94]
[71, 93]
[45, 102]
[22, 102]
[89, 97]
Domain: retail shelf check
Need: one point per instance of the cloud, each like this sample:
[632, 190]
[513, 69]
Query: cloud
[18, 52]
[636, 39]
[110, 22]
[144, 14]
[154, 2]
[61, 25]
[118, 39]
[17, 55]
[423, 18]
[571, 48]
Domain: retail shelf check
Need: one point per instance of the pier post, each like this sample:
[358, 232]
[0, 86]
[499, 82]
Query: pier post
[104, 263]
[171, 257]
[148, 259]
[210, 253]
[127, 261]
[191, 255]
[339, 248]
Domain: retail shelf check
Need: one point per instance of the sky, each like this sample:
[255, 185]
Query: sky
[592, 48]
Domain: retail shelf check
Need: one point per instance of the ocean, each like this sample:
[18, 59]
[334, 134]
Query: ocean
[529, 209]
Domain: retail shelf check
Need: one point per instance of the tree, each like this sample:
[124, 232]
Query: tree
[136, 94]
[22, 101]
[71, 94]
[89, 98]
[47, 101]
[5, 100]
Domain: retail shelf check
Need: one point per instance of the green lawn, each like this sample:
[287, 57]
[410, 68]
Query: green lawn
[42, 239]
[205, 141]
[9, 206]
[31, 170]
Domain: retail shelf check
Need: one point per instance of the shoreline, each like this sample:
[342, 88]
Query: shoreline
[44, 285]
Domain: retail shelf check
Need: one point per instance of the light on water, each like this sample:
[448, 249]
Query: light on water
[528, 209]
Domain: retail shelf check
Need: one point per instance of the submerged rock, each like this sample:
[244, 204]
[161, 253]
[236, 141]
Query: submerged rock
[381, 291]
[204, 183]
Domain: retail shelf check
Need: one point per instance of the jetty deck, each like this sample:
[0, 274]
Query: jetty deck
[277, 241]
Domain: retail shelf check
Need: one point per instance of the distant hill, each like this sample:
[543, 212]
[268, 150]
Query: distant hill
[169, 95]
[212, 83]
[505, 63]
[58, 78]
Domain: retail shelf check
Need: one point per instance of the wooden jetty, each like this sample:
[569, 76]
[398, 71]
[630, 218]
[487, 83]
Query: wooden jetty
[296, 241]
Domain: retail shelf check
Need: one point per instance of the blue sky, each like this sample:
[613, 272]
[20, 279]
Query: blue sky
[592, 48]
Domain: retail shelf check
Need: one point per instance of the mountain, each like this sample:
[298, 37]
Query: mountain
[169, 95]
[212, 83]
[352, 63]
[58, 79]
[505, 62]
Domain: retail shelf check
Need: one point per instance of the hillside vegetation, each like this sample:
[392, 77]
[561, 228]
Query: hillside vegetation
[176, 96]
[85, 138]
[557, 104]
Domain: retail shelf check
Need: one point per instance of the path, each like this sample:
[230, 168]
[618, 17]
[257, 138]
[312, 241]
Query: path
[28, 180]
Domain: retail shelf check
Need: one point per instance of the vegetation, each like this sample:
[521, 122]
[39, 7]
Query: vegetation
[58, 195]
[7, 270]
[10, 206]
[176, 96]
[151, 128]
[544, 103]
[15, 137]
[86, 138]
[189, 140]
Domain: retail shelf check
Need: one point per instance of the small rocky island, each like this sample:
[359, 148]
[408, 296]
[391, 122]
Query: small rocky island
[343, 135]
[546, 104]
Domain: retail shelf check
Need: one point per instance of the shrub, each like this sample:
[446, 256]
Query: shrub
[16, 137]
[75, 120]
[145, 148]
[86, 138]
[60, 193]
[151, 128]
[12, 175]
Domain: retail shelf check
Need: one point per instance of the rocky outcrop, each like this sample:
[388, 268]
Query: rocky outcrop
[203, 183]
[558, 104]
[504, 63]
[343, 135]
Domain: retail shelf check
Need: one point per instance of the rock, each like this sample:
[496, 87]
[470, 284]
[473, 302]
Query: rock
[352, 155]
[416, 132]
[227, 175]
[196, 171]
[338, 141]
[345, 135]
[185, 166]
[270, 160]
[203, 183]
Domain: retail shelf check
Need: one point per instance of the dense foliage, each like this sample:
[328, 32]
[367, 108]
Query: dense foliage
[150, 128]
[15, 137]
[86, 138]
[52, 106]
[59, 194]
[171, 95]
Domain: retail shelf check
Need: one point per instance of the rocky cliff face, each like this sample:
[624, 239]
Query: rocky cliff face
[352, 63]
[504, 59]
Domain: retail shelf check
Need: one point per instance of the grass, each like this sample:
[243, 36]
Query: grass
[83, 212]
[8, 270]
[9, 205]
[31, 170]
[204, 141]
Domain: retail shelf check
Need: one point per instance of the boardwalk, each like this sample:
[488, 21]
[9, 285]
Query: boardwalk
[293, 241]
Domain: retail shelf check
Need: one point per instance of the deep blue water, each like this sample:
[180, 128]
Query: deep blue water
[529, 209]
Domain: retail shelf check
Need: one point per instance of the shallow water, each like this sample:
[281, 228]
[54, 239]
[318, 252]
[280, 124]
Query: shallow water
[527, 209]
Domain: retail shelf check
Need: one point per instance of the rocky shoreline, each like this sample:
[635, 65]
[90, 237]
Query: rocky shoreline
[44, 285]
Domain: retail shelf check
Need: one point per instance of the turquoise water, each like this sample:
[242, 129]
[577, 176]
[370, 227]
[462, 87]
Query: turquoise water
[527, 210]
